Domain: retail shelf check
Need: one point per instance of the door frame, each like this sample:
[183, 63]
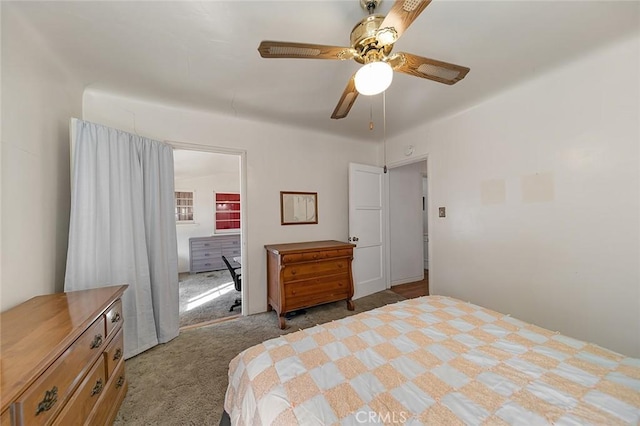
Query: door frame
[417, 159]
[244, 294]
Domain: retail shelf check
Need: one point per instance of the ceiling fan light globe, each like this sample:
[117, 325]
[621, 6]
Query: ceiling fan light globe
[373, 78]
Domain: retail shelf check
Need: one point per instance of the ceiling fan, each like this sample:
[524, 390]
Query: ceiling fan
[372, 40]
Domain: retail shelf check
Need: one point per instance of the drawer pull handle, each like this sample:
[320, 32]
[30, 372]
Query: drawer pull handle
[206, 254]
[50, 398]
[206, 245]
[116, 317]
[97, 388]
[293, 272]
[120, 382]
[117, 355]
[97, 341]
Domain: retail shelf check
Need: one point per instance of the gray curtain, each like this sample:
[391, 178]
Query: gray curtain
[122, 229]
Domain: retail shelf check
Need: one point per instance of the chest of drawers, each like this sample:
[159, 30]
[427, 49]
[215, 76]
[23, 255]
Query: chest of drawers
[301, 275]
[62, 359]
[205, 253]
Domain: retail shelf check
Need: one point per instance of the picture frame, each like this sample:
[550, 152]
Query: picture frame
[298, 208]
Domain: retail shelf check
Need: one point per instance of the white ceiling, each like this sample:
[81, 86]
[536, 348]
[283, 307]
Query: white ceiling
[204, 54]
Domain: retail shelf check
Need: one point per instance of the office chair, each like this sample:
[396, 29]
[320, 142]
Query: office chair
[237, 281]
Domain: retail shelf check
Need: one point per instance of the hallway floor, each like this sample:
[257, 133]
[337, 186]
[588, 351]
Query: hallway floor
[414, 289]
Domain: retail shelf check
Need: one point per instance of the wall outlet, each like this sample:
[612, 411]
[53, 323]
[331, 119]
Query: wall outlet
[442, 212]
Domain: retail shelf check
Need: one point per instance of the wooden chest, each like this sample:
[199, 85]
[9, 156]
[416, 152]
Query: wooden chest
[301, 275]
[63, 359]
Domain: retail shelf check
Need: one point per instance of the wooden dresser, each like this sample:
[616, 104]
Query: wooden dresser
[205, 253]
[301, 275]
[62, 359]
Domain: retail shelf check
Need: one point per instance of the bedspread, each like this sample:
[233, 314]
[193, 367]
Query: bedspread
[431, 360]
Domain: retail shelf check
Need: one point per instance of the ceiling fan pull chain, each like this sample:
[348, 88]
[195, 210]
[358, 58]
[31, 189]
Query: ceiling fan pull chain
[371, 113]
[384, 129]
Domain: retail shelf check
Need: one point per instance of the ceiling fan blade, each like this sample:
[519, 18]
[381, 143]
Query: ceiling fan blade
[346, 100]
[418, 66]
[285, 49]
[402, 14]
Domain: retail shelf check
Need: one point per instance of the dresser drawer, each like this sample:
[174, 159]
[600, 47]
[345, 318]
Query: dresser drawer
[231, 252]
[207, 265]
[110, 399]
[320, 286]
[316, 255]
[43, 399]
[5, 418]
[195, 245]
[230, 241]
[85, 398]
[114, 353]
[309, 270]
[113, 318]
[205, 254]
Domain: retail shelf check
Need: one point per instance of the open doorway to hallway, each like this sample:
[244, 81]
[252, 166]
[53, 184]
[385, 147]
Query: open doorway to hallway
[208, 229]
[408, 229]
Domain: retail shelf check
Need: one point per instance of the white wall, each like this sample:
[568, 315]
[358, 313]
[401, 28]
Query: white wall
[541, 185]
[203, 208]
[38, 98]
[405, 223]
[279, 158]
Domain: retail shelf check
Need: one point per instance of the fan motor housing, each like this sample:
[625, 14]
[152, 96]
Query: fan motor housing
[364, 41]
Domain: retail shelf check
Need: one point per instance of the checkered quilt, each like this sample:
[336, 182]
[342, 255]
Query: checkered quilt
[432, 360]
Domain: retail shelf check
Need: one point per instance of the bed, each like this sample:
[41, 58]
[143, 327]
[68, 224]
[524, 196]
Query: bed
[431, 360]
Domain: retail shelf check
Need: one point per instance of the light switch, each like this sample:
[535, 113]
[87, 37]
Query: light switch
[442, 212]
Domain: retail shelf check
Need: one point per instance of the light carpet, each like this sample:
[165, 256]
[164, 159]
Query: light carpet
[206, 296]
[183, 382]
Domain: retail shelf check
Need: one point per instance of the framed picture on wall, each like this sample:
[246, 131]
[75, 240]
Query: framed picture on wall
[298, 208]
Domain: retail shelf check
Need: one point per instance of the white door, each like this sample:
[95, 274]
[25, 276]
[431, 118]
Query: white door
[367, 224]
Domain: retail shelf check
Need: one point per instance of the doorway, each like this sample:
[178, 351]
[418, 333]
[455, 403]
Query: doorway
[408, 227]
[209, 228]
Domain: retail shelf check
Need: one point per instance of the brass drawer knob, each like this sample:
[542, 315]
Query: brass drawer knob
[50, 398]
[97, 341]
[120, 382]
[116, 317]
[97, 388]
[117, 355]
